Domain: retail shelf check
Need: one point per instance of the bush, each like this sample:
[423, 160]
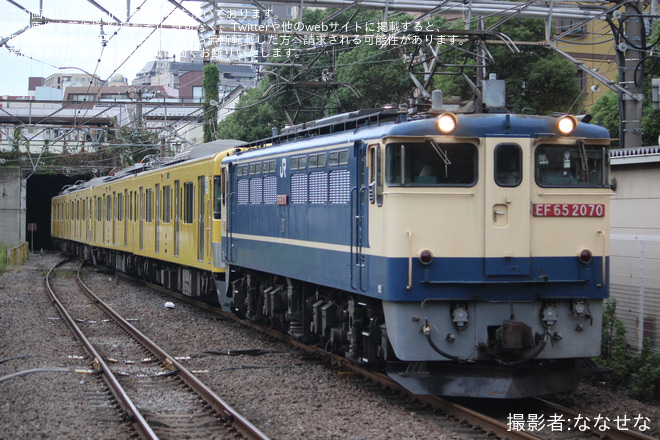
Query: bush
[645, 382]
[614, 347]
[642, 373]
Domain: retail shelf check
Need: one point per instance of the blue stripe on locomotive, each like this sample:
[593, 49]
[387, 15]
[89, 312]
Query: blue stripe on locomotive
[447, 278]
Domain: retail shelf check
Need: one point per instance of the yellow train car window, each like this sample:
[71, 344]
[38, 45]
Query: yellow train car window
[188, 202]
[167, 204]
[149, 205]
[108, 208]
[120, 207]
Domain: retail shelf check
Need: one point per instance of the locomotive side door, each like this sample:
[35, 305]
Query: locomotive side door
[359, 204]
[507, 216]
[227, 214]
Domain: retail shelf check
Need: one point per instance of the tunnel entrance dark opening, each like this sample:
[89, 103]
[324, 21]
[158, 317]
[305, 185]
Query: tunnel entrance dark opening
[40, 189]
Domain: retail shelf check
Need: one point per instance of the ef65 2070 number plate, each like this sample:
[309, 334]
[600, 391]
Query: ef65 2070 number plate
[568, 210]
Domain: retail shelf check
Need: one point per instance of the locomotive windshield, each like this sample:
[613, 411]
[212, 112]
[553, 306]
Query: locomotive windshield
[577, 165]
[431, 164]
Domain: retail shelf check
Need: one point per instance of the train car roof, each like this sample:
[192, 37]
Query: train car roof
[208, 149]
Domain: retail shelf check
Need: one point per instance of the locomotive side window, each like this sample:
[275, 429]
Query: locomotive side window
[375, 176]
[577, 165]
[431, 164]
[508, 165]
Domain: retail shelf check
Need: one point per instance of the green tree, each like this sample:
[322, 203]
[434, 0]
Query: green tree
[376, 72]
[606, 111]
[254, 119]
[537, 78]
[130, 145]
[210, 88]
[379, 75]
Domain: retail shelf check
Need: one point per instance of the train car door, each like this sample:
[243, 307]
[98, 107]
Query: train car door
[124, 215]
[507, 211]
[201, 180]
[141, 227]
[177, 203]
[113, 213]
[226, 214]
[157, 195]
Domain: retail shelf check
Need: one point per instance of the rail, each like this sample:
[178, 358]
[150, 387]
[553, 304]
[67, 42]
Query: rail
[244, 426]
[140, 424]
[138, 420]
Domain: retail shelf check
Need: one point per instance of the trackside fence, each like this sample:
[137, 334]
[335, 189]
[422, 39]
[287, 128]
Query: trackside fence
[635, 283]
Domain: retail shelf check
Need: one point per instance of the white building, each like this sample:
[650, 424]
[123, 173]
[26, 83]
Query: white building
[635, 243]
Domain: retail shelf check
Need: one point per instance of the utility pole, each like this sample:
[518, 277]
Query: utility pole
[138, 107]
[630, 48]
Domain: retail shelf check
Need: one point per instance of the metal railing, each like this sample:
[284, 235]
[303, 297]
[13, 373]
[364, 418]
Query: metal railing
[17, 255]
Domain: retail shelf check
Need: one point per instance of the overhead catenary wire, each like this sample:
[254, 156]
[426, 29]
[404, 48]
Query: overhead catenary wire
[451, 25]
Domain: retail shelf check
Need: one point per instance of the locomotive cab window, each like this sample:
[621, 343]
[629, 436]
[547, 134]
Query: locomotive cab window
[508, 165]
[431, 164]
[576, 165]
[375, 176]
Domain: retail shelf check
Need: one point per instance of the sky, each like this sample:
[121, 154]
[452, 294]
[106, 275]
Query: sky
[44, 50]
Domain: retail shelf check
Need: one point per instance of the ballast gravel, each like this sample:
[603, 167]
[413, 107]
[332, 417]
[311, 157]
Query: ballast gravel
[45, 392]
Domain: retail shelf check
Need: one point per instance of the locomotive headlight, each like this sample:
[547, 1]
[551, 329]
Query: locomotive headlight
[447, 122]
[567, 124]
[425, 257]
[585, 256]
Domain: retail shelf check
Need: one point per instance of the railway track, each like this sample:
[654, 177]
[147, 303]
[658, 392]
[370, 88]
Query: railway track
[159, 397]
[533, 419]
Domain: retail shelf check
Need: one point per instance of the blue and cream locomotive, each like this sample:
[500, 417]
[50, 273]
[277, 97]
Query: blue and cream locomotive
[465, 253]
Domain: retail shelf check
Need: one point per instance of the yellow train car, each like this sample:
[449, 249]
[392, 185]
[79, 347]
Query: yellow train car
[159, 222]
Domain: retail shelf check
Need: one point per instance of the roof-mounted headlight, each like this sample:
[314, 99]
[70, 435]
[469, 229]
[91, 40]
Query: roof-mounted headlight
[447, 122]
[567, 124]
